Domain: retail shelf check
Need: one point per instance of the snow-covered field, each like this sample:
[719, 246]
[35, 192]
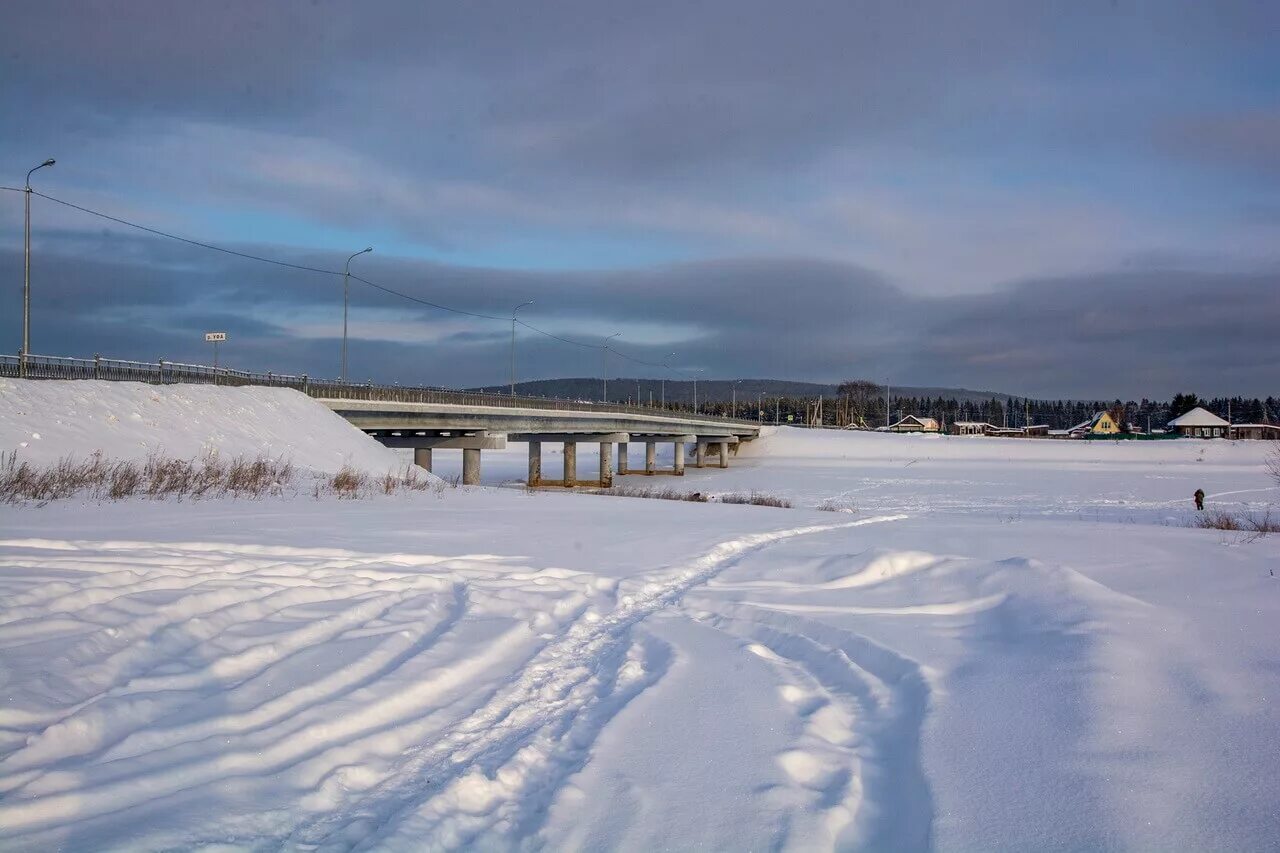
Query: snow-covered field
[1008, 645]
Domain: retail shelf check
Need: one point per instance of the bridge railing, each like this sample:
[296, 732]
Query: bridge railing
[172, 372]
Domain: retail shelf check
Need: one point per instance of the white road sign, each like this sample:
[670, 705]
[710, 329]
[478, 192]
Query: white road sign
[213, 337]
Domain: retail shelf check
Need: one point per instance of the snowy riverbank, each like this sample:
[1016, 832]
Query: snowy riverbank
[1009, 645]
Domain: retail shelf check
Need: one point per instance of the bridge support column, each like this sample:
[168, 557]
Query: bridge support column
[678, 470]
[622, 458]
[650, 457]
[535, 463]
[700, 454]
[422, 457]
[606, 465]
[724, 454]
[470, 466]
[570, 464]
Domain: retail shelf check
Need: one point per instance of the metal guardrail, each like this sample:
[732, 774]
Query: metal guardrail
[174, 372]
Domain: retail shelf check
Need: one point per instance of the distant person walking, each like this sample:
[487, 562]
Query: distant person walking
[1199, 499]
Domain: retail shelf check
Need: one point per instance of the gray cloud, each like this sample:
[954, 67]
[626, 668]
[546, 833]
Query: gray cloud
[1129, 333]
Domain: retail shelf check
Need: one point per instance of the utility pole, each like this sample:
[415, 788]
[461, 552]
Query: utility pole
[886, 405]
[604, 368]
[777, 411]
[346, 298]
[513, 344]
[26, 269]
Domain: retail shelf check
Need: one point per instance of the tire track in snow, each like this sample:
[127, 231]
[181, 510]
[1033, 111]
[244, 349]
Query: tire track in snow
[881, 700]
[473, 778]
[150, 736]
[130, 712]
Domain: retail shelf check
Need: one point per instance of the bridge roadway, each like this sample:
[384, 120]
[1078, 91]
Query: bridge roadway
[472, 428]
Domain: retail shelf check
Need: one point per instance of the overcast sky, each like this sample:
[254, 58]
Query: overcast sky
[1055, 199]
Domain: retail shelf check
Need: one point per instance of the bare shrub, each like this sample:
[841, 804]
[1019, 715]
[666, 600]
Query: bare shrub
[257, 477]
[1273, 466]
[836, 505]
[347, 483]
[411, 479]
[755, 498]
[123, 480]
[1255, 525]
[1216, 520]
[665, 494]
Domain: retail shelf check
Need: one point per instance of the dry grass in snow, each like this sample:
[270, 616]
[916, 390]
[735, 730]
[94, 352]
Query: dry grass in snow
[97, 478]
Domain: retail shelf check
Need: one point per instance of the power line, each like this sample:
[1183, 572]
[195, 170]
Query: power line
[189, 242]
[306, 268]
[427, 302]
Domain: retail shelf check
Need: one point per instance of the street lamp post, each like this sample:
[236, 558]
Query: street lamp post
[695, 389]
[666, 364]
[604, 367]
[513, 344]
[26, 269]
[733, 411]
[346, 298]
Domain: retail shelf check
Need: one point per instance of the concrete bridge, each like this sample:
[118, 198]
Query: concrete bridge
[429, 419]
[489, 425]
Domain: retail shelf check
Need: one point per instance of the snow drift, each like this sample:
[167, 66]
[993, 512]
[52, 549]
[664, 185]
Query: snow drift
[45, 421]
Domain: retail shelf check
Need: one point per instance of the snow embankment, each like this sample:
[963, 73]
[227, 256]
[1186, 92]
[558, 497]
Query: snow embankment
[47, 420]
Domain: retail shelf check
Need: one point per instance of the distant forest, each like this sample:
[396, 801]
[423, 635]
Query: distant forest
[867, 406]
[862, 402]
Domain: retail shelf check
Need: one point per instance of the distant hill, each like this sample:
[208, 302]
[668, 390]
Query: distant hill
[714, 390]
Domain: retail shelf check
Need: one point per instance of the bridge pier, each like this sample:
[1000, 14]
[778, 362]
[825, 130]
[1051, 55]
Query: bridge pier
[678, 468]
[650, 457]
[470, 466]
[535, 463]
[570, 464]
[724, 454]
[622, 458]
[606, 465]
[422, 457]
[700, 454]
[570, 440]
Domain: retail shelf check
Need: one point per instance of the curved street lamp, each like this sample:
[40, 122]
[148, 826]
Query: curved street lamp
[604, 370]
[513, 344]
[346, 298]
[26, 268]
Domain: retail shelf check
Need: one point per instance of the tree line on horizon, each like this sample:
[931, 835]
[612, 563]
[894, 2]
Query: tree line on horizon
[862, 403]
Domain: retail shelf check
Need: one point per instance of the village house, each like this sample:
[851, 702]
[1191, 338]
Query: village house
[912, 423]
[1256, 432]
[1100, 424]
[1200, 423]
[970, 428]
[984, 428]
